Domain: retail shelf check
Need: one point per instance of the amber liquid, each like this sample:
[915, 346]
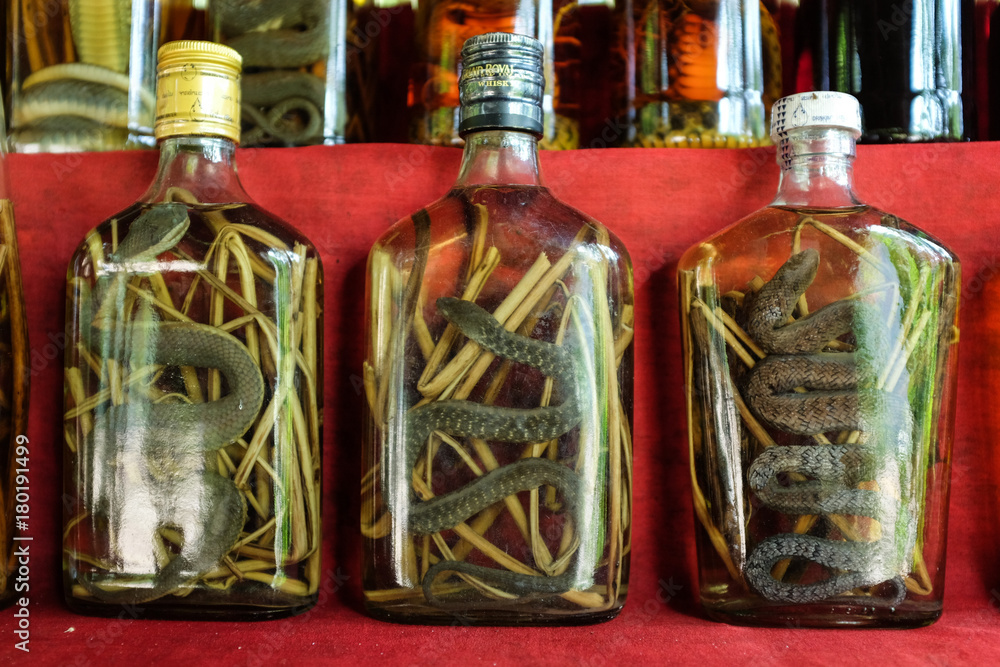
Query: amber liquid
[691, 94]
[912, 282]
[442, 26]
[512, 249]
[133, 508]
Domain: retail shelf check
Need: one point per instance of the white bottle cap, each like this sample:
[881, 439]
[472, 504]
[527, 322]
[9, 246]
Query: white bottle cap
[815, 109]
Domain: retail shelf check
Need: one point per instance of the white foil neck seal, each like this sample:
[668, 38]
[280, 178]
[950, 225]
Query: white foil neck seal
[818, 109]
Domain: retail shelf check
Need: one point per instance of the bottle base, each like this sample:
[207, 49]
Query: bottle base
[185, 612]
[410, 615]
[819, 615]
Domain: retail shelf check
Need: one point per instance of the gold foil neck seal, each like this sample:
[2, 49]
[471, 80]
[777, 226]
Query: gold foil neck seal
[197, 90]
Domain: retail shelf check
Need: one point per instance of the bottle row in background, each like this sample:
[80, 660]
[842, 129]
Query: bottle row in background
[651, 73]
[81, 73]
[819, 343]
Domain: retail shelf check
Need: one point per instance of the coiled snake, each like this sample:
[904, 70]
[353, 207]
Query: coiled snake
[475, 420]
[144, 464]
[836, 399]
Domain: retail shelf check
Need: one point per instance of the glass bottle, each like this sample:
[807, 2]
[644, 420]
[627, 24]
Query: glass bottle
[83, 74]
[14, 380]
[820, 446]
[498, 374]
[441, 28]
[193, 387]
[294, 71]
[902, 59]
[705, 73]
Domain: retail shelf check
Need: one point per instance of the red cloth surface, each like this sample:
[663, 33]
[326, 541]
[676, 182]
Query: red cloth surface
[659, 202]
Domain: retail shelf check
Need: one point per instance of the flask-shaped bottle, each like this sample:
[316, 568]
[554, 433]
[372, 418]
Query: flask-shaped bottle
[819, 342]
[498, 375]
[193, 381]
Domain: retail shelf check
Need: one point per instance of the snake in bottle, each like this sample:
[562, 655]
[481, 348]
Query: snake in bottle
[140, 454]
[475, 420]
[837, 397]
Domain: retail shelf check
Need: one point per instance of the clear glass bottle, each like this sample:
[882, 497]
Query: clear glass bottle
[14, 380]
[294, 71]
[903, 60]
[193, 387]
[705, 72]
[498, 374]
[83, 73]
[820, 445]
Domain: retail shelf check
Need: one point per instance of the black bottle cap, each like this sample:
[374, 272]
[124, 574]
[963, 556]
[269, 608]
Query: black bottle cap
[502, 83]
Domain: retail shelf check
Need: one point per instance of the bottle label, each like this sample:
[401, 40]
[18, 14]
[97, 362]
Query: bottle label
[196, 99]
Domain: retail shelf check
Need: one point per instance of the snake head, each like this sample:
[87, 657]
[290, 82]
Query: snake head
[155, 231]
[799, 270]
[470, 319]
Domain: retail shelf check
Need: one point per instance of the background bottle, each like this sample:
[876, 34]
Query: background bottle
[820, 449]
[193, 384]
[83, 74]
[538, 423]
[294, 68]
[563, 28]
[705, 73]
[905, 61]
[14, 381]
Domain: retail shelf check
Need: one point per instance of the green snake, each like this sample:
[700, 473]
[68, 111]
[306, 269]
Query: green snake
[476, 420]
[833, 400]
[157, 452]
[280, 104]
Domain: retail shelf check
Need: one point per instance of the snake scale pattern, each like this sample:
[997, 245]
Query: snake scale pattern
[831, 401]
[158, 451]
[475, 420]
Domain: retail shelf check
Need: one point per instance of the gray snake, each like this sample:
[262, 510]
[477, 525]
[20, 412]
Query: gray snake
[476, 420]
[836, 398]
[156, 453]
[280, 104]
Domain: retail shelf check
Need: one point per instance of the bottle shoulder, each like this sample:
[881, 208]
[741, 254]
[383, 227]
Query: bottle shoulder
[773, 231]
[143, 232]
[520, 221]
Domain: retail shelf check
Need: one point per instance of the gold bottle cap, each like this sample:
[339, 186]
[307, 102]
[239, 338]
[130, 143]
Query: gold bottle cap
[197, 90]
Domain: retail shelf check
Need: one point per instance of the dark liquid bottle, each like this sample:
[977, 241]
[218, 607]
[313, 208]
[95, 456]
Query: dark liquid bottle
[903, 60]
[193, 382]
[820, 351]
[497, 447]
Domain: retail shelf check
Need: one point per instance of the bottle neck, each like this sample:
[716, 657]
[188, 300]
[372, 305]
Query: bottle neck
[817, 168]
[499, 157]
[203, 166]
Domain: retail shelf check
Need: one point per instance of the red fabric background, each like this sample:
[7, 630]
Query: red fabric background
[659, 202]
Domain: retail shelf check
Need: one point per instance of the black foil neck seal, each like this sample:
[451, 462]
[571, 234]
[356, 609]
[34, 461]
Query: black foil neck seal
[501, 84]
